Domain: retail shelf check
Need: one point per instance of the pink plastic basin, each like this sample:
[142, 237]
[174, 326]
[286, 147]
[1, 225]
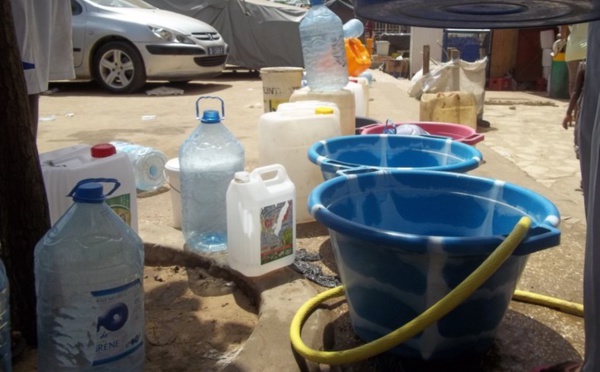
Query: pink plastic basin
[457, 132]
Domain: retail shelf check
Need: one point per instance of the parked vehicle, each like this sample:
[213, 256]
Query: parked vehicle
[123, 43]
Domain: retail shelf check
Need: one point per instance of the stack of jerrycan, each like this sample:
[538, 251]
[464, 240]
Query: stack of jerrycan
[286, 135]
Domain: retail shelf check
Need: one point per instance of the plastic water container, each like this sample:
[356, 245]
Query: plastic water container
[284, 137]
[382, 47]
[365, 153]
[309, 107]
[261, 220]
[343, 98]
[360, 97]
[208, 161]
[323, 50]
[89, 287]
[357, 55]
[148, 164]
[403, 239]
[364, 82]
[457, 132]
[353, 28]
[449, 107]
[62, 169]
[5, 338]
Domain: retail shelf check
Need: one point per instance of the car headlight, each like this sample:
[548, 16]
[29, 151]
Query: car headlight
[171, 35]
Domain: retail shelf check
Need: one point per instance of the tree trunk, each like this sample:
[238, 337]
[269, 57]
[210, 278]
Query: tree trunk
[24, 216]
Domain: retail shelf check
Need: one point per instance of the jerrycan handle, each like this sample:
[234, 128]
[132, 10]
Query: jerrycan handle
[198, 116]
[281, 175]
[114, 181]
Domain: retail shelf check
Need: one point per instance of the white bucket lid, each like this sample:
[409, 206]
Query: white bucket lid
[172, 165]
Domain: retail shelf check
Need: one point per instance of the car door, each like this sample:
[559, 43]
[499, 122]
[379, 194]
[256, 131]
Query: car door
[78, 27]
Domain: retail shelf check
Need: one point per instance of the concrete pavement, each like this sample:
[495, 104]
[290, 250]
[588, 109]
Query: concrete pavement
[525, 145]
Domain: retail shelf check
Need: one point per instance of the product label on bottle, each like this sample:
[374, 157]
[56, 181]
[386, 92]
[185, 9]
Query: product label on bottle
[120, 324]
[277, 231]
[122, 206]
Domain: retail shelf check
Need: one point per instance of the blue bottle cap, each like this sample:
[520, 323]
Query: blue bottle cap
[210, 117]
[89, 193]
[316, 2]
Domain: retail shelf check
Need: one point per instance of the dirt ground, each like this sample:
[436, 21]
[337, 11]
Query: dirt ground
[194, 321]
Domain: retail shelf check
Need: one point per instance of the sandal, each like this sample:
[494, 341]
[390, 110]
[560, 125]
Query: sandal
[570, 366]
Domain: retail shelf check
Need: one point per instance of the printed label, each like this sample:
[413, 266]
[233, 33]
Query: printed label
[277, 231]
[122, 206]
[119, 329]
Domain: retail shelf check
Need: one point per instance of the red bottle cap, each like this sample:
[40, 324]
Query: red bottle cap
[103, 150]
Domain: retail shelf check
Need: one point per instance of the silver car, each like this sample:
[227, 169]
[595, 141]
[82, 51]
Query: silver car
[122, 43]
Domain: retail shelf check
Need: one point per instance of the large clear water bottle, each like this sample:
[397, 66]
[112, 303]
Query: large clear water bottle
[148, 164]
[5, 340]
[323, 49]
[208, 160]
[89, 287]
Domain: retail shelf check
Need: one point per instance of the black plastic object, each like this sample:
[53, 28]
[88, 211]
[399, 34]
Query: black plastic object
[468, 14]
[313, 272]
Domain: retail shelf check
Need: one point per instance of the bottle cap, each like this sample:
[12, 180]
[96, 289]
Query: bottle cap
[89, 193]
[316, 2]
[323, 110]
[242, 177]
[103, 150]
[210, 117]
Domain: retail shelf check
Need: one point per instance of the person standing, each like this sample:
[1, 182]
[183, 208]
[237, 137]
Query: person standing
[575, 50]
[44, 37]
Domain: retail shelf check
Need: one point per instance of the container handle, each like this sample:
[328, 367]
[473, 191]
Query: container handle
[436, 136]
[332, 166]
[198, 117]
[474, 138]
[357, 170]
[114, 181]
[280, 176]
[537, 239]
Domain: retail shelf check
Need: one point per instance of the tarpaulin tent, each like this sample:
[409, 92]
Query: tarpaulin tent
[260, 33]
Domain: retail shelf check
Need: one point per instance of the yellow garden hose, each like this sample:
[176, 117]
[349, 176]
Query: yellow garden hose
[418, 324]
[547, 301]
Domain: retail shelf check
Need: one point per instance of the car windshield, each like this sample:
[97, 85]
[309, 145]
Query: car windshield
[123, 3]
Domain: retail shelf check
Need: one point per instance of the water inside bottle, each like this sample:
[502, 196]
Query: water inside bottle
[207, 242]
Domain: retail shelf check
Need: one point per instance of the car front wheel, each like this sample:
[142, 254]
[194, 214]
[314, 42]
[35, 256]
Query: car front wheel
[119, 68]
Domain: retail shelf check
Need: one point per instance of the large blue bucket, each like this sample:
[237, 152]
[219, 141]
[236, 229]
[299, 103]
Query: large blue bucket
[403, 239]
[382, 151]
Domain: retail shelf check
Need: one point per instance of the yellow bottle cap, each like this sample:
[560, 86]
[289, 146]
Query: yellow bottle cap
[323, 110]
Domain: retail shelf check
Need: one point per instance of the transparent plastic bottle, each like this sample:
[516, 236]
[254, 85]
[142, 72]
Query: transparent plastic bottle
[208, 161]
[323, 50]
[5, 340]
[89, 286]
[148, 164]
[353, 28]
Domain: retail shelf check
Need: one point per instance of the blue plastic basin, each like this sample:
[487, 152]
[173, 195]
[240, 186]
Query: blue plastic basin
[403, 239]
[382, 151]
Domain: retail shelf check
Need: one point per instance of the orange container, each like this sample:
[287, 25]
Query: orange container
[359, 59]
